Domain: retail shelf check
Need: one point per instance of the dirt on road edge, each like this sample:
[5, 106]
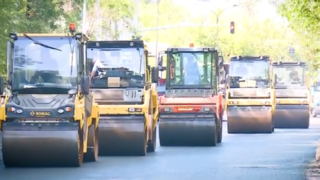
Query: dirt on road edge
[313, 170]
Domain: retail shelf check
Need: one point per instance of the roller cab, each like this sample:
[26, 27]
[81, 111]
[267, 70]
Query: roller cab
[250, 101]
[292, 95]
[126, 98]
[191, 110]
[45, 119]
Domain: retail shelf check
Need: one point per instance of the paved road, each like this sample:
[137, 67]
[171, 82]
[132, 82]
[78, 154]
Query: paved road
[279, 156]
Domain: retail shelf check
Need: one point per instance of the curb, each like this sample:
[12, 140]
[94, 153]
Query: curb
[313, 169]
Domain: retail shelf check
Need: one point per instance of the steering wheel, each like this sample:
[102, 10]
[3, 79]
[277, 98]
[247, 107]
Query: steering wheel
[101, 70]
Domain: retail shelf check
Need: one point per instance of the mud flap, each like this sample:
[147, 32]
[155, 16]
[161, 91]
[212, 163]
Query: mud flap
[249, 119]
[292, 116]
[122, 135]
[187, 130]
[40, 144]
[92, 145]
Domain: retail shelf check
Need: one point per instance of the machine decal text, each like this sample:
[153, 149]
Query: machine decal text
[40, 114]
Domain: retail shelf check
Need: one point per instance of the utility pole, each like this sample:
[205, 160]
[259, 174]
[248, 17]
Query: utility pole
[217, 21]
[84, 14]
[157, 34]
[137, 14]
[98, 20]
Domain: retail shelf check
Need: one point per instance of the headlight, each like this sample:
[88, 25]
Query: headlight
[11, 109]
[66, 109]
[135, 109]
[166, 109]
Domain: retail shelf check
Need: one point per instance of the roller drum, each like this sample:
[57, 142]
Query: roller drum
[40, 144]
[292, 116]
[180, 130]
[122, 135]
[246, 119]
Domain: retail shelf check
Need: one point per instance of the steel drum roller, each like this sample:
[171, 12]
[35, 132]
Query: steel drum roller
[181, 131]
[292, 116]
[249, 119]
[122, 135]
[36, 144]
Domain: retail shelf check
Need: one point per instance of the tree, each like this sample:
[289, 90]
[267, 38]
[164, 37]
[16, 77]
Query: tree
[112, 14]
[253, 36]
[304, 19]
[30, 16]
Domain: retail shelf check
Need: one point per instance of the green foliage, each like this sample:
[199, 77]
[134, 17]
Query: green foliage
[112, 12]
[253, 36]
[303, 16]
[54, 16]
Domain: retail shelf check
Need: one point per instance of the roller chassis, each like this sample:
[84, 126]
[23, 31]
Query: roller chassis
[123, 132]
[190, 112]
[246, 115]
[43, 123]
[128, 133]
[292, 102]
[247, 111]
[292, 112]
[49, 129]
[190, 128]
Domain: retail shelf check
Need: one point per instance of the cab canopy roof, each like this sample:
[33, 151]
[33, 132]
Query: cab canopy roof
[253, 58]
[191, 49]
[288, 63]
[79, 36]
[115, 44]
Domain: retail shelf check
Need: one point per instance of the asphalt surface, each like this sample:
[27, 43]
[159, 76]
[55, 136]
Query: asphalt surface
[283, 155]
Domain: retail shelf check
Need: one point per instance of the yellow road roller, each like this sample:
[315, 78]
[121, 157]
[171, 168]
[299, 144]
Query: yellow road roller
[46, 118]
[191, 110]
[121, 82]
[250, 96]
[292, 95]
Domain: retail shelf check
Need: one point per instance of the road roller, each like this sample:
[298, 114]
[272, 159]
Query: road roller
[122, 84]
[48, 116]
[190, 112]
[250, 96]
[292, 95]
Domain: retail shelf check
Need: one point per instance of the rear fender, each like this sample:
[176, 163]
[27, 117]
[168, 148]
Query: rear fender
[148, 104]
[155, 105]
[95, 113]
[79, 110]
[220, 105]
[3, 115]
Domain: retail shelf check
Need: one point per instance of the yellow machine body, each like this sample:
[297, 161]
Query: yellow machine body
[292, 95]
[128, 114]
[250, 102]
[47, 126]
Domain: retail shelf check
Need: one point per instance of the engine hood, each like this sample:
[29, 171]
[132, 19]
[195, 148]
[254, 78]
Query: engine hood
[112, 96]
[250, 92]
[287, 93]
[40, 100]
